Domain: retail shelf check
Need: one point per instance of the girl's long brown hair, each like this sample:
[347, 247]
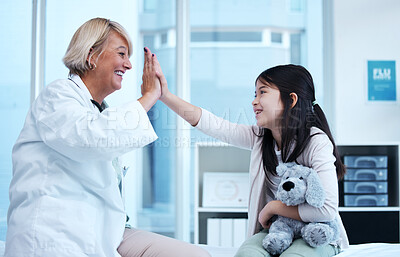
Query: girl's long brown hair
[296, 121]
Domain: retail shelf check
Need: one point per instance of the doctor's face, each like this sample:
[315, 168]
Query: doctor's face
[112, 64]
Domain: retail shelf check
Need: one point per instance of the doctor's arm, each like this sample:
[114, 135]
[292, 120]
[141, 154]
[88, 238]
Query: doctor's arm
[80, 133]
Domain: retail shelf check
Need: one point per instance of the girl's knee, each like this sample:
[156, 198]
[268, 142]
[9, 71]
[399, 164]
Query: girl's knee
[252, 247]
[300, 248]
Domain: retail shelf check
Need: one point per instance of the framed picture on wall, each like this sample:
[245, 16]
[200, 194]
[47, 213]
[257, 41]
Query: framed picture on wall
[225, 189]
[382, 81]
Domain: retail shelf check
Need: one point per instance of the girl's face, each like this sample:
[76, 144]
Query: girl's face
[267, 106]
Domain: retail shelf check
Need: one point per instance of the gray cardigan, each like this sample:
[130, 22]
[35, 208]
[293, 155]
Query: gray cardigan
[317, 155]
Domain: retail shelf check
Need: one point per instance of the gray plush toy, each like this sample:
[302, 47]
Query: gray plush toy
[299, 184]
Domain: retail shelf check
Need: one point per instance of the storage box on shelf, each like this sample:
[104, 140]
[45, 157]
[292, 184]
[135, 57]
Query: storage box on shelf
[364, 185]
[222, 170]
[369, 193]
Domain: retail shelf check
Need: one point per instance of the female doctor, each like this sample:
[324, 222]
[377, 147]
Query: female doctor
[66, 194]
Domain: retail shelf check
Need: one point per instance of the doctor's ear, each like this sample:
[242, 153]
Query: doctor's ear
[90, 55]
[294, 98]
[89, 60]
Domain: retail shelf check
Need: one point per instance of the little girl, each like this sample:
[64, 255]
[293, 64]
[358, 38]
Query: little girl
[291, 127]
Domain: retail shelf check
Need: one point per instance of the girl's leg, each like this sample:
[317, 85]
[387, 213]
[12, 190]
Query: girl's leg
[300, 248]
[252, 247]
[138, 243]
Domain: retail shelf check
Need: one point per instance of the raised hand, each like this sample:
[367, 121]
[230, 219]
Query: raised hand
[151, 87]
[187, 111]
[151, 84]
[161, 77]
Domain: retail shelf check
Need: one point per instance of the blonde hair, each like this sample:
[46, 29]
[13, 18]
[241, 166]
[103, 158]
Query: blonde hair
[88, 40]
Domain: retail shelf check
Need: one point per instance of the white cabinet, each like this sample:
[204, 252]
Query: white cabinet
[218, 158]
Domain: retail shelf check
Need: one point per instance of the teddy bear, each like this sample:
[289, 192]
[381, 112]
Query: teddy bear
[299, 184]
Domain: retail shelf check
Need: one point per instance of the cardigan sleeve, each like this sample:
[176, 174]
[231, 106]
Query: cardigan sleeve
[319, 156]
[239, 135]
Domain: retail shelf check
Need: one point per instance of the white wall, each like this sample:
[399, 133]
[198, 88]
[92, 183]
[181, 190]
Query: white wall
[363, 30]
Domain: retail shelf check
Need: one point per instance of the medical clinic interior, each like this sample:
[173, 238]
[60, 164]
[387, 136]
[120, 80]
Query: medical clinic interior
[191, 186]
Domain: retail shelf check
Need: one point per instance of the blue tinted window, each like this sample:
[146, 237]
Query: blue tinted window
[295, 48]
[15, 52]
[276, 37]
[217, 36]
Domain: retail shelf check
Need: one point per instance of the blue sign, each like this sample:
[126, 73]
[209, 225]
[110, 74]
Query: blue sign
[382, 80]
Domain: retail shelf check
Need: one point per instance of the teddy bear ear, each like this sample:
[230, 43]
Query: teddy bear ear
[315, 194]
[281, 168]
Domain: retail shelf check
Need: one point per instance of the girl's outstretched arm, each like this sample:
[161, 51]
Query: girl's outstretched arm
[186, 110]
[239, 135]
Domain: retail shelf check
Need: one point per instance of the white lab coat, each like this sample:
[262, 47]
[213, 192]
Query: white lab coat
[64, 194]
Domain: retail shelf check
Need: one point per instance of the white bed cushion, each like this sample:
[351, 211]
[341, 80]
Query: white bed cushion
[362, 250]
[372, 249]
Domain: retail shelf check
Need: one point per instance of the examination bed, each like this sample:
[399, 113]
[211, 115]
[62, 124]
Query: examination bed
[361, 250]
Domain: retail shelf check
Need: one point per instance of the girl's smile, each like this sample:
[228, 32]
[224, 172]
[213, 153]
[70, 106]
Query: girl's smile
[267, 105]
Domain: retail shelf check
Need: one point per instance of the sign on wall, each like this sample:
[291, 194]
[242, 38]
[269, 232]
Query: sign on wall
[382, 81]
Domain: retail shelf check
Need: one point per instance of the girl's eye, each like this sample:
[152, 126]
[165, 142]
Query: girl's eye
[122, 54]
[261, 92]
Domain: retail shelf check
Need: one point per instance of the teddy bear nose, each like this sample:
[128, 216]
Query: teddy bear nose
[288, 185]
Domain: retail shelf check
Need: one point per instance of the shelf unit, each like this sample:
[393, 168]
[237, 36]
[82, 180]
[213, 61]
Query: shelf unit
[374, 223]
[215, 157]
[363, 224]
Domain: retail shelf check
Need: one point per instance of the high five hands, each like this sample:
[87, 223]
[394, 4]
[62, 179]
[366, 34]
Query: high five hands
[154, 85]
[156, 82]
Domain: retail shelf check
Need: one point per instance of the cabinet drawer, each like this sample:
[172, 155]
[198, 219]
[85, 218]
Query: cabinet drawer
[366, 174]
[365, 200]
[372, 187]
[366, 161]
